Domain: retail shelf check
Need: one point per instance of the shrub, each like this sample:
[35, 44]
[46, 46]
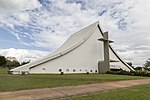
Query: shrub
[133, 73]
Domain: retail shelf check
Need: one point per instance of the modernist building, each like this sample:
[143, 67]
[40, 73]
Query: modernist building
[86, 51]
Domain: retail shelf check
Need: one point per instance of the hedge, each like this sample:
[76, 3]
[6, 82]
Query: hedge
[133, 73]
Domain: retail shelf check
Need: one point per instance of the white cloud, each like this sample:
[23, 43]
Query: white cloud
[23, 54]
[49, 24]
[18, 4]
[136, 38]
[7, 8]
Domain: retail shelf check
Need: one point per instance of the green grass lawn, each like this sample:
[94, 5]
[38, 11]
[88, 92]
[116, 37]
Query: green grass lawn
[3, 71]
[141, 92]
[10, 82]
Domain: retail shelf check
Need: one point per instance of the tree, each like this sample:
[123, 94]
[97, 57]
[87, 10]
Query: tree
[15, 63]
[129, 63]
[23, 63]
[138, 68]
[12, 62]
[2, 61]
[147, 64]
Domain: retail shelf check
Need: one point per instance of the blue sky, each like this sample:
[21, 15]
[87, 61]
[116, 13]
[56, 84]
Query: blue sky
[30, 29]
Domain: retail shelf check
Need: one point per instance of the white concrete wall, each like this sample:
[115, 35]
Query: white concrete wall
[84, 58]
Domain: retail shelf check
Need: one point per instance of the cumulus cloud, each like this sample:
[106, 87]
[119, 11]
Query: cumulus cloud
[48, 23]
[8, 8]
[23, 54]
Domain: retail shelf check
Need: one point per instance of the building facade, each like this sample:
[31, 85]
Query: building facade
[81, 53]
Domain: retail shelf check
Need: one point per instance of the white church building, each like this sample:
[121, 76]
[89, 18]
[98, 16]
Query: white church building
[86, 51]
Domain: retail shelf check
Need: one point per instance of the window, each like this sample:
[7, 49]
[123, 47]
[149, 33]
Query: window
[90, 70]
[60, 70]
[80, 69]
[95, 71]
[43, 69]
[74, 70]
[67, 70]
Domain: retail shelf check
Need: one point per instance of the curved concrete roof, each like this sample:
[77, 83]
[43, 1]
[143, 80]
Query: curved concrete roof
[72, 43]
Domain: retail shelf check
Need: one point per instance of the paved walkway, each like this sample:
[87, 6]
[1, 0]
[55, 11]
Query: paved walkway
[67, 91]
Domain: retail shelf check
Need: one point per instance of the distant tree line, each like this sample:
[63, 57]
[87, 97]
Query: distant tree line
[10, 62]
[146, 65]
